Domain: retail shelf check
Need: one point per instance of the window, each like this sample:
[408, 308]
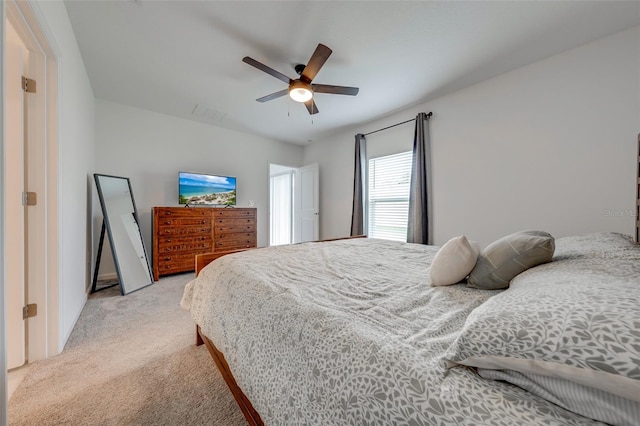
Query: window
[389, 181]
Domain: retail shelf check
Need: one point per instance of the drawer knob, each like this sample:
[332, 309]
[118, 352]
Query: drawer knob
[168, 213]
[168, 240]
[168, 222]
[167, 258]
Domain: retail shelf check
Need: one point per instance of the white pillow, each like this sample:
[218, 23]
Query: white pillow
[454, 261]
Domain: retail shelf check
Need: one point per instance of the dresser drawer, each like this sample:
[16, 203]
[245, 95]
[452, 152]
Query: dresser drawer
[234, 213]
[171, 258]
[164, 231]
[184, 221]
[234, 223]
[176, 240]
[174, 267]
[185, 247]
[183, 212]
[228, 236]
[234, 243]
[226, 228]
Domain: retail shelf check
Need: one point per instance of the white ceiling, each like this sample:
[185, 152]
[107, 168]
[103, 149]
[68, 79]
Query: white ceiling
[184, 58]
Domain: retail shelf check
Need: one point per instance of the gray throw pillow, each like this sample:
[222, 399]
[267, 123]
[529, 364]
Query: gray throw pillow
[509, 256]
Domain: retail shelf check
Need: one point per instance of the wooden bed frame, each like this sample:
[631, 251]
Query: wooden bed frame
[252, 416]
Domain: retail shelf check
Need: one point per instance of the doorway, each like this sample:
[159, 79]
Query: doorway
[293, 204]
[281, 183]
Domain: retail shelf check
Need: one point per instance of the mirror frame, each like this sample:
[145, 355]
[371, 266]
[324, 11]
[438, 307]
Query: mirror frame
[114, 250]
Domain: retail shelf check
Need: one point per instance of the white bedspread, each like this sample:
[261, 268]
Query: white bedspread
[351, 332]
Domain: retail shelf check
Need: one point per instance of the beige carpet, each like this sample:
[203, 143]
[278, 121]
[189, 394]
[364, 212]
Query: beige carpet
[131, 360]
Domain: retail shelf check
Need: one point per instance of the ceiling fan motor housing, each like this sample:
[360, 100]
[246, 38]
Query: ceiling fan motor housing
[299, 68]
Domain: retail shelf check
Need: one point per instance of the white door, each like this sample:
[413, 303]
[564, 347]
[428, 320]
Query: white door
[14, 210]
[309, 202]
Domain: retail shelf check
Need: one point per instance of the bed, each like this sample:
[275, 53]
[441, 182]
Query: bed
[352, 332]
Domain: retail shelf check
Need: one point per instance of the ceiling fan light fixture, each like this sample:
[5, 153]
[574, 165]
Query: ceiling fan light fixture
[300, 91]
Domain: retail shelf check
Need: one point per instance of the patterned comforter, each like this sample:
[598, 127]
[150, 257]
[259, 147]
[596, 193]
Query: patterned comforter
[351, 332]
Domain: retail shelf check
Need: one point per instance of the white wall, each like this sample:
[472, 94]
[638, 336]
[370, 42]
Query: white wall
[76, 138]
[150, 148]
[549, 146]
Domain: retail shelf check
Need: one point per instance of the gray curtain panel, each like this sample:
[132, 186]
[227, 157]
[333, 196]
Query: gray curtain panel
[419, 206]
[358, 217]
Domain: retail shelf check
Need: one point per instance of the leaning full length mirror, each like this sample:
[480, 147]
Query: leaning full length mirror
[121, 222]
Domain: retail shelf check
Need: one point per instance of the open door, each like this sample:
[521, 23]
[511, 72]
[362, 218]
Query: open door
[307, 217]
[14, 172]
[29, 180]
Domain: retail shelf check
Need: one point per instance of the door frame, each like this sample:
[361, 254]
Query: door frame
[42, 157]
[27, 18]
[3, 358]
[42, 238]
[296, 200]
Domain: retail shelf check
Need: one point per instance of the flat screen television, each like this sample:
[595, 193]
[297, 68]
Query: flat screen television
[201, 189]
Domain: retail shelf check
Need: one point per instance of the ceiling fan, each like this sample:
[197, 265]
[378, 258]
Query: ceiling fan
[301, 89]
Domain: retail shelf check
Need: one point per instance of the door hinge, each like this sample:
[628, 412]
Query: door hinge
[29, 311]
[29, 199]
[28, 85]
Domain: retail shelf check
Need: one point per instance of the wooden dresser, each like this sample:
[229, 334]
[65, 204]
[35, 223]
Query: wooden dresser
[179, 233]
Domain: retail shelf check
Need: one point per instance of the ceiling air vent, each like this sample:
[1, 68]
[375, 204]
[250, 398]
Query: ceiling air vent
[208, 114]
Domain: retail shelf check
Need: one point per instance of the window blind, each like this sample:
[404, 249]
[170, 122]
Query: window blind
[389, 180]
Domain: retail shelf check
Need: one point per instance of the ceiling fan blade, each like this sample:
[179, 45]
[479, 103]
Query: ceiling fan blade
[336, 90]
[316, 62]
[273, 95]
[268, 70]
[311, 106]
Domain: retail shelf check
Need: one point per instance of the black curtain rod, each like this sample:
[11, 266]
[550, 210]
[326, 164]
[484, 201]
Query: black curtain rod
[397, 124]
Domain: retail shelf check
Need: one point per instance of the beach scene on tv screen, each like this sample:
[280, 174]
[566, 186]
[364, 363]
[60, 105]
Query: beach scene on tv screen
[207, 189]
